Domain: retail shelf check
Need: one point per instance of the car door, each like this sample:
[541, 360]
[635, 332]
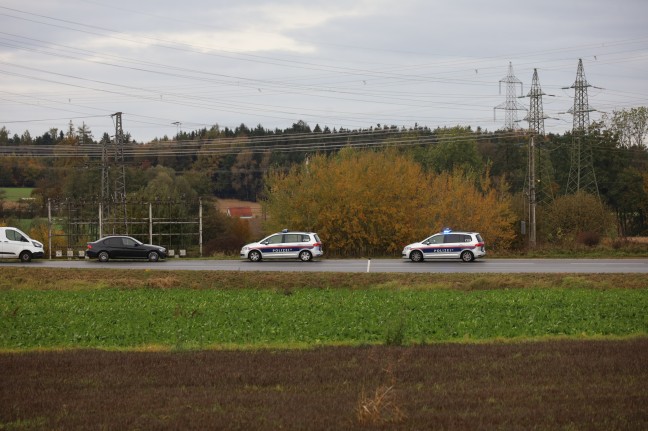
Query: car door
[291, 244]
[13, 243]
[453, 244]
[115, 247]
[433, 247]
[4, 250]
[132, 249]
[273, 247]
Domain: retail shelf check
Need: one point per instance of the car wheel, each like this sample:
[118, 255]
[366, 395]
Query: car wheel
[254, 256]
[305, 256]
[103, 256]
[416, 256]
[153, 256]
[467, 256]
[25, 256]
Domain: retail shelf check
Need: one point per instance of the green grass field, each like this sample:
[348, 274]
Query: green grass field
[16, 193]
[111, 314]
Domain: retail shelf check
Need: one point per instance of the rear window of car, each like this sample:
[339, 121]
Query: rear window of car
[479, 238]
[457, 237]
[292, 237]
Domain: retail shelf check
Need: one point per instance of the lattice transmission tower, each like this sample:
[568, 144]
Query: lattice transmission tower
[540, 166]
[510, 105]
[120, 178]
[581, 170]
[113, 182]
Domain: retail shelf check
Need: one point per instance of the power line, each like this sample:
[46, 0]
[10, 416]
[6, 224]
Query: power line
[284, 143]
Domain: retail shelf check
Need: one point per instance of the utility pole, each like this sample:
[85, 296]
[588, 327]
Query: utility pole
[581, 171]
[532, 194]
[510, 105]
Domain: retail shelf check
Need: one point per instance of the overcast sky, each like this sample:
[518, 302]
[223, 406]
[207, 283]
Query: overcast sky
[183, 65]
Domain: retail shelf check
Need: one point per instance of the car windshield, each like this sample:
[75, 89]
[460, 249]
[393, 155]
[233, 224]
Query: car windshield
[274, 239]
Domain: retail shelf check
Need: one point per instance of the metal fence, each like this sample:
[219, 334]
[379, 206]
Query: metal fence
[174, 224]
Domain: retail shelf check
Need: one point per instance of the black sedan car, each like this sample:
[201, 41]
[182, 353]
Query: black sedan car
[123, 247]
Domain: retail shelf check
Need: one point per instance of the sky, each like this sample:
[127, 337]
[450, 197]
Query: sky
[171, 66]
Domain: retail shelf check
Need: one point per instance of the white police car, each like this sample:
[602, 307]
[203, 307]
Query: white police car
[466, 246]
[284, 245]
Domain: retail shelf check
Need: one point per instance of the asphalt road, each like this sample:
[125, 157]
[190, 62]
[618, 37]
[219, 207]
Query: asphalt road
[590, 266]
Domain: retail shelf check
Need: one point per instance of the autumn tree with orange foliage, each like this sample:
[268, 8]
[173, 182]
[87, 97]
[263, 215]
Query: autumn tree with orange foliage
[368, 203]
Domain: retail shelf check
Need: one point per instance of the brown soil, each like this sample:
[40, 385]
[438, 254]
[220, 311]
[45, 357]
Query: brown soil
[543, 385]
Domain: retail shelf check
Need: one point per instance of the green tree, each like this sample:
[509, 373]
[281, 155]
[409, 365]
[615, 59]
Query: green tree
[4, 136]
[630, 202]
[456, 147]
[631, 125]
[247, 173]
[26, 138]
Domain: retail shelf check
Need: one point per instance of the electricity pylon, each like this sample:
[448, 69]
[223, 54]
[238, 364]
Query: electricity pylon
[120, 178]
[581, 170]
[112, 161]
[539, 160]
[510, 105]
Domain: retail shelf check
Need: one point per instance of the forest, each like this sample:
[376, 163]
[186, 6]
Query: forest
[381, 167]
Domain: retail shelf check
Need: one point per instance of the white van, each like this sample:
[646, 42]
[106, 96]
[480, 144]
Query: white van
[15, 243]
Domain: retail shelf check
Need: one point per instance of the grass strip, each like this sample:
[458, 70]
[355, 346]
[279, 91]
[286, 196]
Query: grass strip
[121, 318]
[31, 277]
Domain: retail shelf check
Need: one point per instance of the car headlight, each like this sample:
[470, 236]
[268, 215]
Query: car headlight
[407, 248]
[37, 244]
[245, 248]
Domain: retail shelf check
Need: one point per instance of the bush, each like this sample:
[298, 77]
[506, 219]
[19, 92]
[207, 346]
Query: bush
[589, 239]
[227, 235]
[568, 217]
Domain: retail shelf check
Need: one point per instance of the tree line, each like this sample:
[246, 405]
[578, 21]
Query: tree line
[244, 162]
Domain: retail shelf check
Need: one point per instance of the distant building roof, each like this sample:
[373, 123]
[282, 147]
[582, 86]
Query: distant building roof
[240, 212]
